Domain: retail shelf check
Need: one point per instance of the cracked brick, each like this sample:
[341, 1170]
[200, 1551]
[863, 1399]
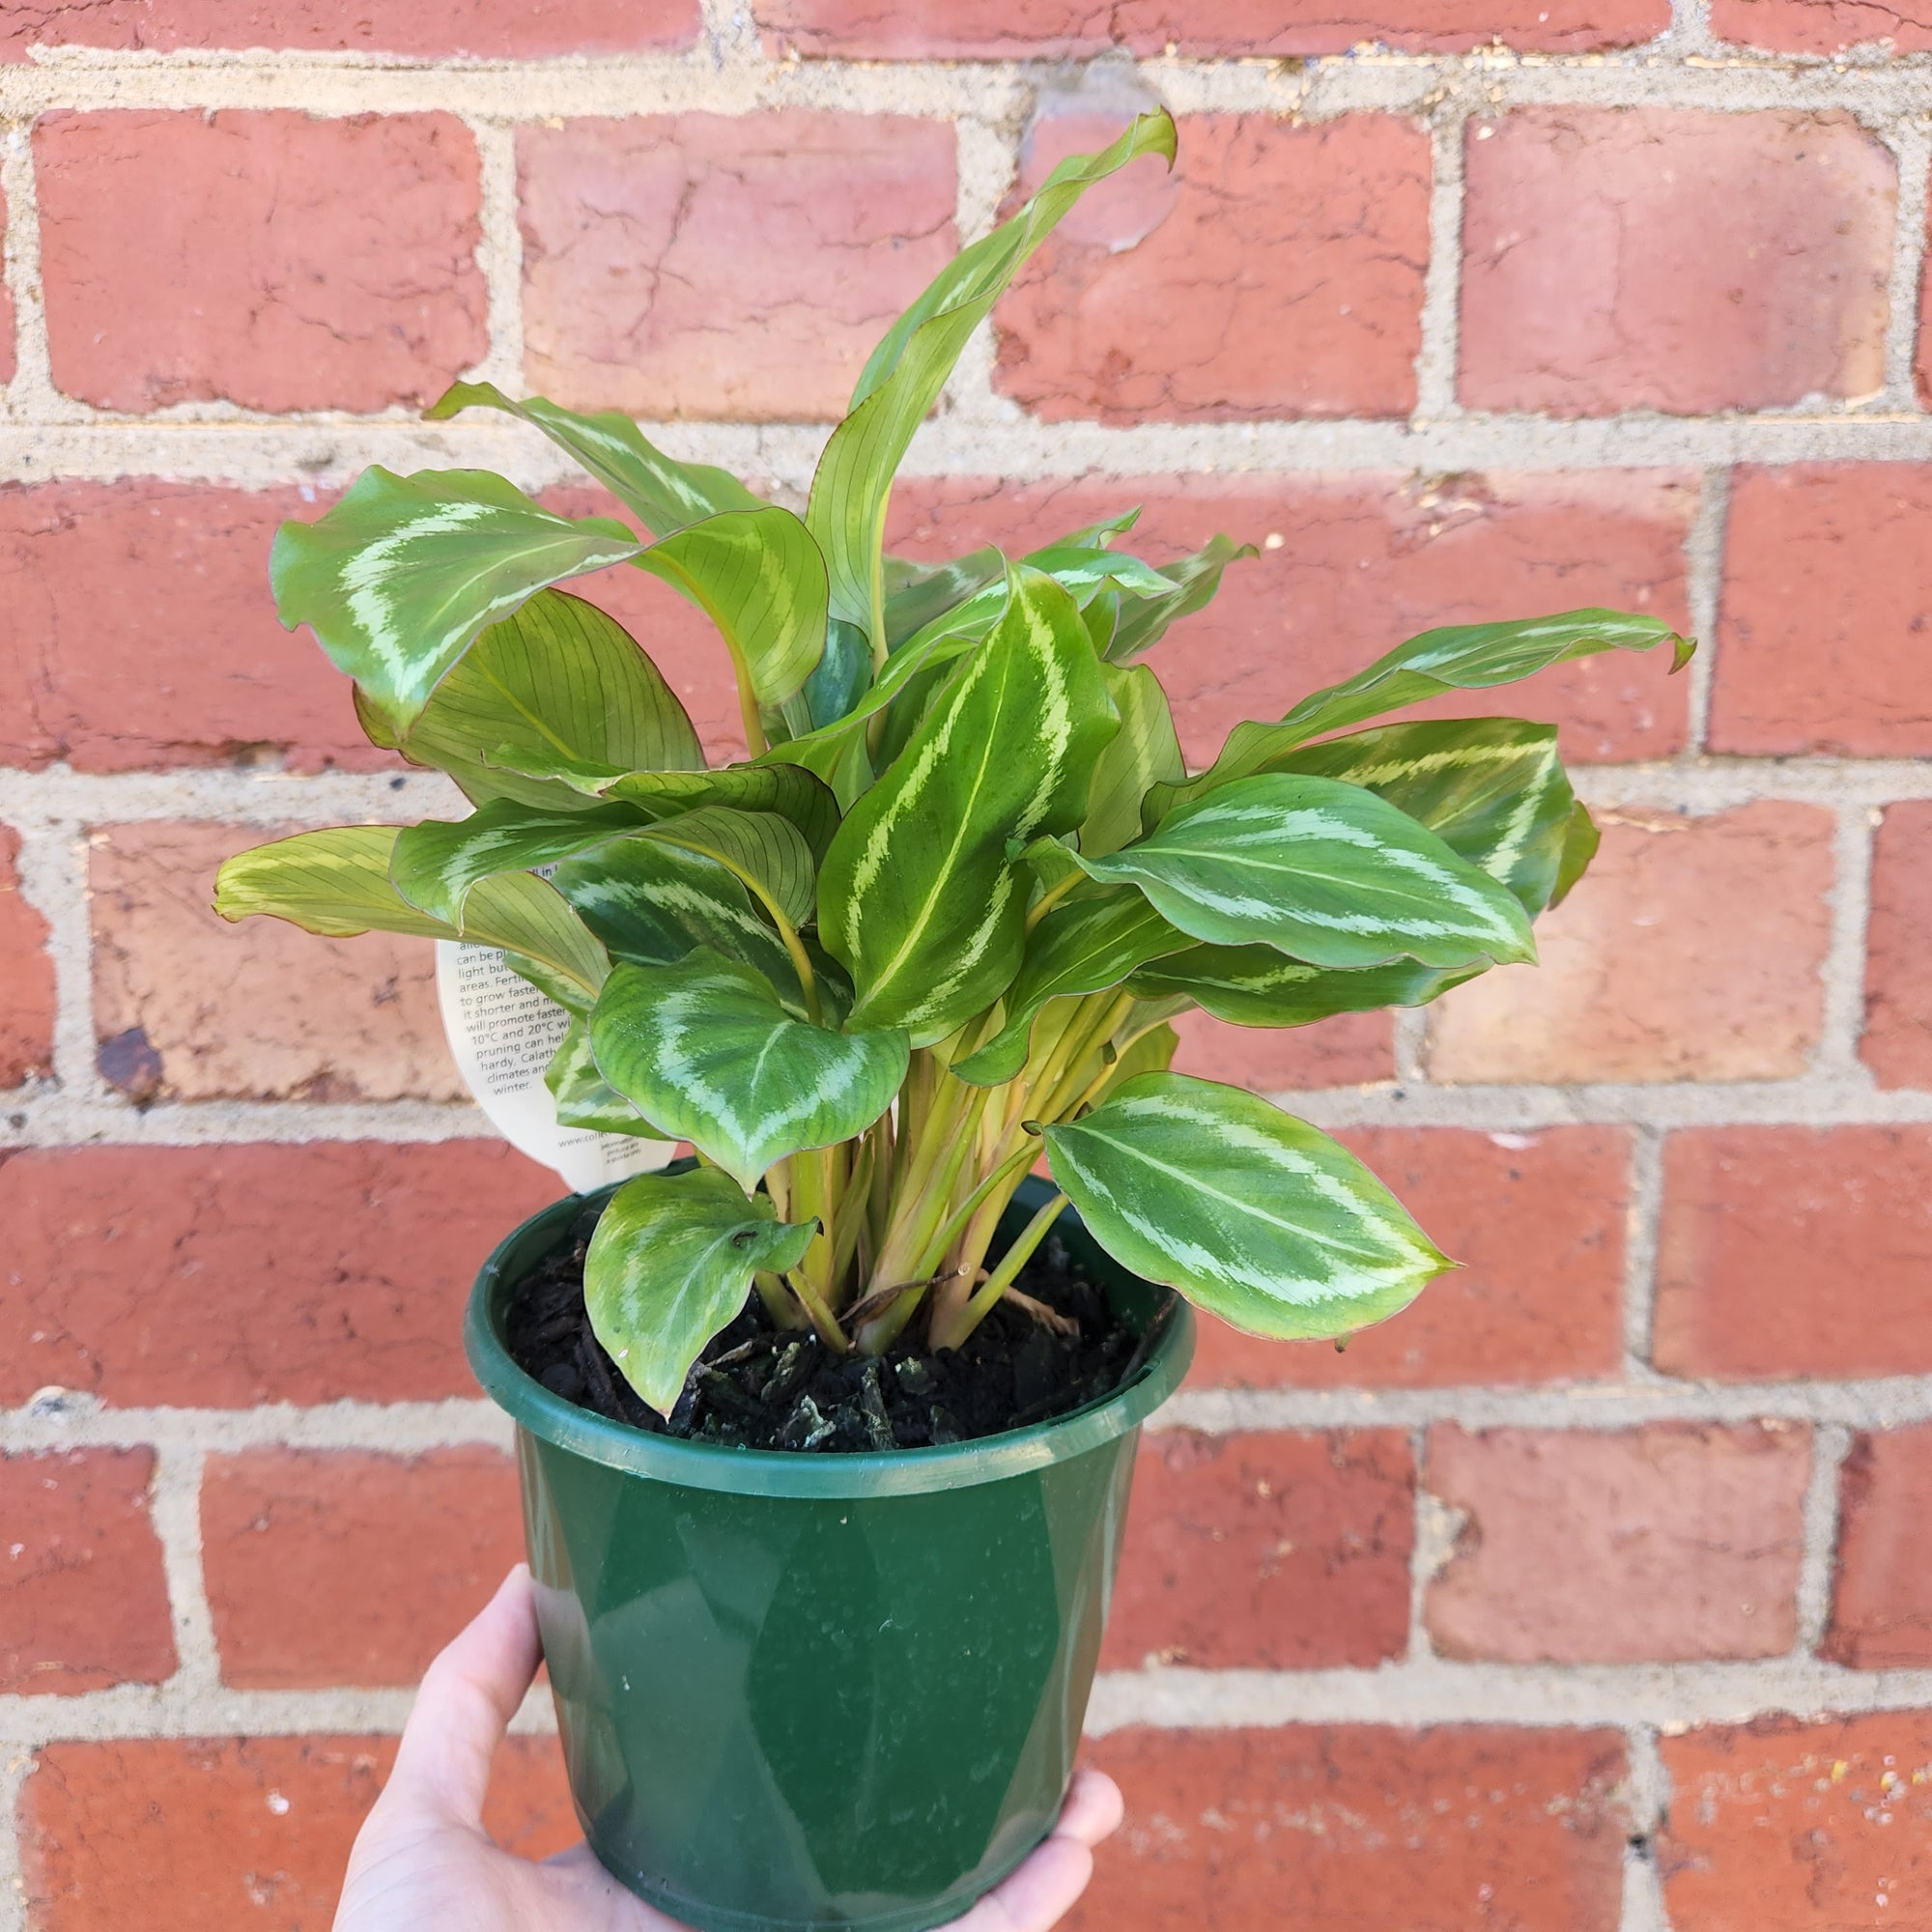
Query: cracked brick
[1278, 270]
[269, 259]
[713, 266]
[26, 977]
[1882, 1595]
[1676, 1541]
[1823, 26]
[1668, 259]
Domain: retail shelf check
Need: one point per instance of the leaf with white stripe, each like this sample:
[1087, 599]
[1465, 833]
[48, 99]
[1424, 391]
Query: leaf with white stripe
[1462, 657]
[437, 862]
[670, 1263]
[397, 579]
[767, 851]
[581, 1095]
[1324, 871]
[705, 1052]
[664, 495]
[919, 898]
[1249, 1212]
[1257, 987]
[1144, 753]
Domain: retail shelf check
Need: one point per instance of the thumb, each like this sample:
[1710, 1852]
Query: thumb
[469, 1696]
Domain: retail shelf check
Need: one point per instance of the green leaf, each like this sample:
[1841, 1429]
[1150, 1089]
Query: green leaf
[1084, 946]
[336, 883]
[1256, 987]
[1144, 621]
[1249, 1212]
[758, 576]
[1145, 752]
[1492, 790]
[918, 897]
[1150, 1052]
[1324, 871]
[903, 377]
[842, 676]
[670, 1263]
[556, 680]
[664, 495]
[705, 1051]
[768, 851]
[582, 1096]
[397, 579]
[434, 864]
[1465, 657]
[1580, 839]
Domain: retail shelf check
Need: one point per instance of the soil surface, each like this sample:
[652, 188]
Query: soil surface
[760, 1388]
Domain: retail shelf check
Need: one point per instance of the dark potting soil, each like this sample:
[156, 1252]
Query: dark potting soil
[757, 1386]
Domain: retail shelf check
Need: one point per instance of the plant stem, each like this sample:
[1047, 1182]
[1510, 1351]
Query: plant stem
[778, 1305]
[822, 1317]
[996, 1283]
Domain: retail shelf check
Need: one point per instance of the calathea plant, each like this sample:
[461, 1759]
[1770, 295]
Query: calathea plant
[936, 923]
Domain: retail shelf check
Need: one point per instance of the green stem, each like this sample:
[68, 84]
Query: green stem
[822, 1317]
[1002, 1278]
[778, 1305]
[935, 1249]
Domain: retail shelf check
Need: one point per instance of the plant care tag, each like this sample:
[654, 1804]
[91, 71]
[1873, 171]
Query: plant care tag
[503, 1033]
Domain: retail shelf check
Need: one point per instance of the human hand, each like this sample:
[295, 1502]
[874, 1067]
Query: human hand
[423, 1861]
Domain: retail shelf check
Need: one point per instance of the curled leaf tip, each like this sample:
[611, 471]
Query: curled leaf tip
[1681, 651]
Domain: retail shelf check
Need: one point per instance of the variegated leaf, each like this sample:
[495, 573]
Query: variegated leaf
[1143, 621]
[436, 864]
[1324, 871]
[768, 851]
[1144, 753]
[705, 1051]
[581, 1095]
[398, 577]
[1249, 1212]
[1257, 987]
[670, 1263]
[663, 494]
[919, 898]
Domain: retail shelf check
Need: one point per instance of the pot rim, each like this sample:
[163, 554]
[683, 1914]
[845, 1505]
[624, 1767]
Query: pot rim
[770, 1473]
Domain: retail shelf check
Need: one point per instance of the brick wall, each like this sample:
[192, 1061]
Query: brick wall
[1588, 1595]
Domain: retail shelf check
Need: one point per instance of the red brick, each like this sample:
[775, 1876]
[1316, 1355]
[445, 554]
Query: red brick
[1285, 265]
[331, 1567]
[228, 1276]
[1897, 1041]
[1691, 951]
[188, 1007]
[1350, 1050]
[271, 260]
[85, 567]
[1822, 646]
[26, 976]
[1782, 1826]
[1667, 259]
[1361, 1828]
[1671, 1542]
[85, 1598]
[235, 1835]
[1266, 1551]
[1882, 1597]
[1351, 565]
[1060, 29]
[1538, 1222]
[1820, 26]
[705, 264]
[1791, 1252]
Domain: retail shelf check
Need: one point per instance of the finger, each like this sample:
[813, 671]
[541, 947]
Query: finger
[1036, 1896]
[469, 1696]
[1093, 1809]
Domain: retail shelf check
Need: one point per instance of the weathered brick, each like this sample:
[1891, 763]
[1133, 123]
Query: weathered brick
[705, 265]
[1363, 1827]
[1822, 645]
[1674, 1541]
[1350, 1050]
[1537, 1220]
[1239, 29]
[331, 1567]
[1624, 258]
[26, 976]
[1266, 1551]
[86, 567]
[235, 1835]
[228, 1276]
[259, 1010]
[1788, 1252]
[1821, 26]
[1897, 1040]
[1691, 951]
[6, 352]
[1351, 565]
[81, 1581]
[273, 260]
[1881, 1596]
[1285, 265]
[1782, 1826]
[505, 29]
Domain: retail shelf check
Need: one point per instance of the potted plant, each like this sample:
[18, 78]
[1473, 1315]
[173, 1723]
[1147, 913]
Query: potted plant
[826, 1434]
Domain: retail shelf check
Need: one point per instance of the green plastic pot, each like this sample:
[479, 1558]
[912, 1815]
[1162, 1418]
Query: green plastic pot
[819, 1690]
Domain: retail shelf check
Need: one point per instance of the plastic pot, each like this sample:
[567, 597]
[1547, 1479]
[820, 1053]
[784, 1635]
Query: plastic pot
[819, 1690]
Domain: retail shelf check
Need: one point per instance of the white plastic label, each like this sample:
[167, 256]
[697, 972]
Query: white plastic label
[503, 1033]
